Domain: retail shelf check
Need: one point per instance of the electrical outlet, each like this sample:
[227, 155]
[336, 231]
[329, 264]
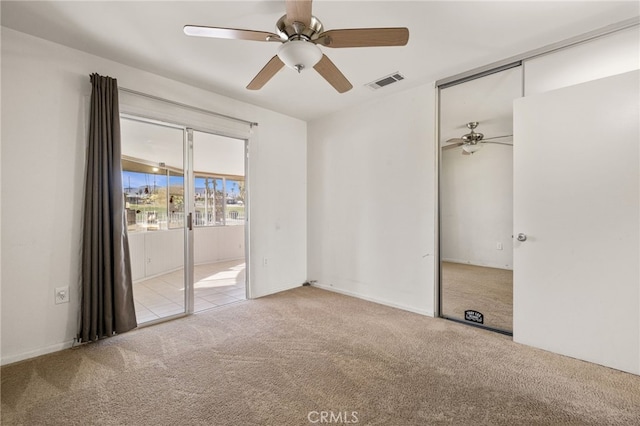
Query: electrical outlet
[62, 295]
[265, 261]
[499, 246]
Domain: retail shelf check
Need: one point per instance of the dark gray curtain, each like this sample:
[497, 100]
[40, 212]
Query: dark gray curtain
[107, 290]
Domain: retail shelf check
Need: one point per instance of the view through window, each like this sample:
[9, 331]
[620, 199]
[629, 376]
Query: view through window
[154, 198]
[219, 201]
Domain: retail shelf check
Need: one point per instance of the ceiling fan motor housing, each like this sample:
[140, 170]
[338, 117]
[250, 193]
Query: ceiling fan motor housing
[298, 30]
[473, 137]
[297, 51]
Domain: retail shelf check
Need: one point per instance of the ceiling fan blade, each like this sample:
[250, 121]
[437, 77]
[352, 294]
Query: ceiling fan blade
[332, 74]
[465, 152]
[453, 145]
[230, 33]
[298, 11]
[457, 141]
[497, 137]
[266, 73]
[499, 143]
[364, 37]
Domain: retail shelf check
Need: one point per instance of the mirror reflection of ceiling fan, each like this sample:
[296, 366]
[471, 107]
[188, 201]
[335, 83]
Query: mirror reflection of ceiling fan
[473, 141]
[300, 33]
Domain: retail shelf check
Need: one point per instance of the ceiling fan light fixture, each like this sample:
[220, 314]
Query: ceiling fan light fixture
[471, 148]
[299, 54]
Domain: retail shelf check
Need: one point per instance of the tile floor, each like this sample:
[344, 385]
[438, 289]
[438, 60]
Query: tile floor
[215, 284]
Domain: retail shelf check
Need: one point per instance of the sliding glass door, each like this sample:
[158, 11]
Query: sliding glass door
[186, 200]
[219, 217]
[153, 164]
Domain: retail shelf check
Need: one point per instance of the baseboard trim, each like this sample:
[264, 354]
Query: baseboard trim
[485, 265]
[35, 353]
[66, 345]
[375, 300]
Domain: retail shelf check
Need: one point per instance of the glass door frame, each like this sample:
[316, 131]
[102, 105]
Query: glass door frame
[188, 223]
[189, 207]
[438, 288]
[190, 191]
[187, 271]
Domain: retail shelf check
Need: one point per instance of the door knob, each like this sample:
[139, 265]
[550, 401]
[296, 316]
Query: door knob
[522, 237]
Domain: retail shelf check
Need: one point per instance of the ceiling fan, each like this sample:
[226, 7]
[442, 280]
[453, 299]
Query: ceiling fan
[299, 34]
[472, 141]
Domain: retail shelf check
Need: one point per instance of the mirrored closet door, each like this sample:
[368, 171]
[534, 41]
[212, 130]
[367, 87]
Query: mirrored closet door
[476, 199]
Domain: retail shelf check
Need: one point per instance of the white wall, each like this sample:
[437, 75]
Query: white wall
[218, 243]
[372, 200]
[609, 55]
[476, 206]
[476, 191]
[158, 252]
[44, 90]
[155, 252]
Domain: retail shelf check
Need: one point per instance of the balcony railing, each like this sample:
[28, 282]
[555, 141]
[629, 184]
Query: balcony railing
[152, 220]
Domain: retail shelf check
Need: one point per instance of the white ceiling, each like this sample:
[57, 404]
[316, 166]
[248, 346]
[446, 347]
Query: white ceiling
[446, 38]
[161, 144]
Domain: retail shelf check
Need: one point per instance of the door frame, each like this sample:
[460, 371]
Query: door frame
[247, 202]
[438, 311]
[480, 72]
[189, 192]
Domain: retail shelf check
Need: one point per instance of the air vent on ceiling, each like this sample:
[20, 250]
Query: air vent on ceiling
[385, 81]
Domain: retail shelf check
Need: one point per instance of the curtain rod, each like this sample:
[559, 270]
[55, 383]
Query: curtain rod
[191, 107]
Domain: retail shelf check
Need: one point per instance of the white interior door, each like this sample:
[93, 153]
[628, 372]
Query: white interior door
[576, 197]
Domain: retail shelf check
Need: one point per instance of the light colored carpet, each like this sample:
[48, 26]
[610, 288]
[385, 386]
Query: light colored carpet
[273, 360]
[487, 290]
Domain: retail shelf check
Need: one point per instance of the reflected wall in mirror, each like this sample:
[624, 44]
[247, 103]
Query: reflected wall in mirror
[476, 199]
